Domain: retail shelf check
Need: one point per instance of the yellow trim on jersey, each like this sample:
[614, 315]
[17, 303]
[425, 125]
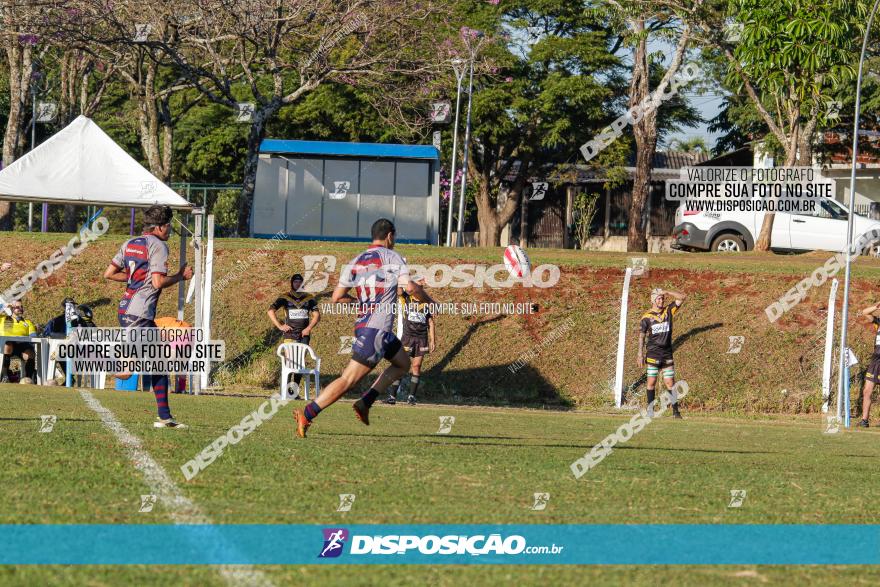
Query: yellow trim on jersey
[23, 327]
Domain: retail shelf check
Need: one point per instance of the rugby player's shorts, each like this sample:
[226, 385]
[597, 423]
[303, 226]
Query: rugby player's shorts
[291, 337]
[658, 359]
[873, 373]
[415, 346]
[371, 345]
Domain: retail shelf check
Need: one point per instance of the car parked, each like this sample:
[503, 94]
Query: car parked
[822, 230]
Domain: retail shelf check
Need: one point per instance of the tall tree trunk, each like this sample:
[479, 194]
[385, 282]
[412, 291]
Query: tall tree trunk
[19, 62]
[490, 233]
[491, 219]
[75, 99]
[155, 132]
[645, 133]
[791, 156]
[524, 223]
[249, 181]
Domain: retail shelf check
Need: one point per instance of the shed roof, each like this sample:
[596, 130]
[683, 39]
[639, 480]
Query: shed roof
[342, 149]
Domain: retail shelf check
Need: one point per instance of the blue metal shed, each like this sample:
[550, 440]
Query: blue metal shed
[323, 190]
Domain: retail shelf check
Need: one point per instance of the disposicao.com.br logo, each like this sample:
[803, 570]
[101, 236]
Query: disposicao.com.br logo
[431, 544]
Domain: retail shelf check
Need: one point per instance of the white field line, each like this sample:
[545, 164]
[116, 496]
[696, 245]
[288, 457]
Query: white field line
[181, 508]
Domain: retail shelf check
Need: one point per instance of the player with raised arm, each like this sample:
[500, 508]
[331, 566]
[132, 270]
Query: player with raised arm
[375, 274]
[655, 344]
[872, 375]
[142, 264]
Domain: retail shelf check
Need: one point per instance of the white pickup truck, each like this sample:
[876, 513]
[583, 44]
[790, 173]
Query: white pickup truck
[824, 230]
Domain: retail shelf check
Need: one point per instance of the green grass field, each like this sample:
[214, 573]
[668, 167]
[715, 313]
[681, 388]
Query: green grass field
[752, 420]
[484, 471]
[778, 370]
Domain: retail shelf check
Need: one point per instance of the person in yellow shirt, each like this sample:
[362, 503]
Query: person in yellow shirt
[17, 325]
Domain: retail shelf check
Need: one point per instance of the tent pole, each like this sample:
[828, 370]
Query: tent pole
[207, 283]
[197, 276]
[181, 286]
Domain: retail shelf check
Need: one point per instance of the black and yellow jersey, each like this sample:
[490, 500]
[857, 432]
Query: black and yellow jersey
[297, 307]
[658, 327]
[415, 316]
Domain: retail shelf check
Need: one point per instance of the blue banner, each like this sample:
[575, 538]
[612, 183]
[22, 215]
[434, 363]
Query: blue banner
[269, 544]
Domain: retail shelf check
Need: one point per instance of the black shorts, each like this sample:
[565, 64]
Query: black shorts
[873, 372]
[415, 346]
[291, 337]
[659, 358]
[371, 345]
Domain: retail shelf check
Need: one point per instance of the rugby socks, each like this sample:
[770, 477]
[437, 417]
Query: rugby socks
[413, 384]
[311, 411]
[651, 396]
[369, 398]
[674, 395]
[159, 383]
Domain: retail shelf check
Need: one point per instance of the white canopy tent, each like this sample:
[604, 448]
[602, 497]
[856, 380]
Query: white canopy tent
[81, 164]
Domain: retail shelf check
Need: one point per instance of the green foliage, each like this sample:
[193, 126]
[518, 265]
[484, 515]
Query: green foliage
[801, 48]
[585, 207]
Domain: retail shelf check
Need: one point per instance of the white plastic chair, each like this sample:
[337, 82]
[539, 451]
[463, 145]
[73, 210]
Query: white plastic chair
[293, 362]
[97, 380]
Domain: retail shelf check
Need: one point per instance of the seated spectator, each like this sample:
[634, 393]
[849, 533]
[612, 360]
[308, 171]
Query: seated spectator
[15, 324]
[57, 328]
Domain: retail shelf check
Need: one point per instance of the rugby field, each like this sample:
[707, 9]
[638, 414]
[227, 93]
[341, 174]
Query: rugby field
[486, 469]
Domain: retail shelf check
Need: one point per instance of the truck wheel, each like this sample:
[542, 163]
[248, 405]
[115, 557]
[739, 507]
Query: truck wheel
[728, 243]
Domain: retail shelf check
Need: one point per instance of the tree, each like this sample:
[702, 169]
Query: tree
[120, 39]
[545, 99]
[690, 145]
[638, 21]
[21, 45]
[791, 58]
[282, 50]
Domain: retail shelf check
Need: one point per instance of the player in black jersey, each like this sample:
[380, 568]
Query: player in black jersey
[417, 340]
[301, 315]
[655, 333]
[872, 376]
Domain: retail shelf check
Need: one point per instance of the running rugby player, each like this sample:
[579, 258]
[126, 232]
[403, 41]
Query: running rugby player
[872, 376]
[656, 334]
[418, 340]
[375, 274]
[301, 315]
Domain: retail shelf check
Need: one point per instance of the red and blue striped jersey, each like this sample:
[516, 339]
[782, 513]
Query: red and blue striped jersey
[140, 257]
[376, 274]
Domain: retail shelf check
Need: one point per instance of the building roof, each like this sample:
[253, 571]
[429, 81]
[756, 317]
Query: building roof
[342, 149]
[667, 165]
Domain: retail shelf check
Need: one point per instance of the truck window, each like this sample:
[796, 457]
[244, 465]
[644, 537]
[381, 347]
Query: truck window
[831, 209]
